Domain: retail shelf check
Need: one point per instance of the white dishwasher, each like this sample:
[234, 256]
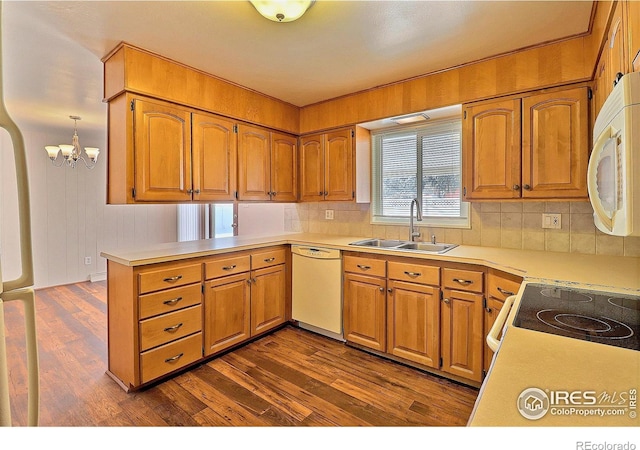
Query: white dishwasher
[317, 290]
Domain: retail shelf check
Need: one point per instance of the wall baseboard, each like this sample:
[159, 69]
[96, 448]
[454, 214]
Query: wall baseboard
[100, 276]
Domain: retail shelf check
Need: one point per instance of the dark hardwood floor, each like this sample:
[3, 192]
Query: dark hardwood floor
[289, 378]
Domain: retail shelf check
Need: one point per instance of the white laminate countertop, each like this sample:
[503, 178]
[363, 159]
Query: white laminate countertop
[614, 271]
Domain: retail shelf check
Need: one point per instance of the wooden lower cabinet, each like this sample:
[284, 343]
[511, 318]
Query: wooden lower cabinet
[500, 285]
[226, 312]
[365, 311]
[268, 295]
[462, 334]
[413, 322]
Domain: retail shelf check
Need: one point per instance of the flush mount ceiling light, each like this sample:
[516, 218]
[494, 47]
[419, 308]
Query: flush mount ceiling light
[410, 118]
[71, 153]
[282, 10]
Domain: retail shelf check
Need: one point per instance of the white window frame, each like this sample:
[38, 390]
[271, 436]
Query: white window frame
[463, 221]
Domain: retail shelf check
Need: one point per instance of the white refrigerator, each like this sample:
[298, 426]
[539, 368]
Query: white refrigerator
[20, 288]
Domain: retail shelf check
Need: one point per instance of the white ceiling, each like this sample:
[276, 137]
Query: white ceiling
[52, 49]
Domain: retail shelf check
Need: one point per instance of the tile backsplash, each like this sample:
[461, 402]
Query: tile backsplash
[515, 225]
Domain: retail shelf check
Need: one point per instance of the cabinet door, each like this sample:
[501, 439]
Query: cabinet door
[462, 341]
[617, 43]
[491, 150]
[284, 167]
[162, 148]
[555, 144]
[214, 158]
[311, 168]
[226, 312]
[338, 165]
[413, 314]
[633, 27]
[365, 311]
[268, 298]
[254, 163]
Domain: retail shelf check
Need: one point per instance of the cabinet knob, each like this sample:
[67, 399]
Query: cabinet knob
[189, 191]
[273, 193]
[516, 187]
[320, 193]
[527, 187]
[197, 191]
[381, 289]
[446, 300]
[326, 193]
[390, 290]
[488, 310]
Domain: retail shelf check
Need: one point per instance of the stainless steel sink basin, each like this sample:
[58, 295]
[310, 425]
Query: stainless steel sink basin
[393, 244]
[426, 247]
[381, 243]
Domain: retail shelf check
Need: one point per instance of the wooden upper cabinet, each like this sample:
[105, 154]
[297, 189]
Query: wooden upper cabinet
[327, 166]
[633, 30]
[214, 158]
[254, 163]
[311, 168]
[491, 150]
[527, 147]
[555, 144]
[162, 143]
[617, 43]
[284, 167]
[338, 165]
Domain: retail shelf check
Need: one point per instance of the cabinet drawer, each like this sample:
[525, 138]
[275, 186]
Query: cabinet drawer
[414, 273]
[168, 327]
[227, 266]
[501, 288]
[366, 266]
[271, 257]
[169, 300]
[163, 360]
[169, 277]
[466, 280]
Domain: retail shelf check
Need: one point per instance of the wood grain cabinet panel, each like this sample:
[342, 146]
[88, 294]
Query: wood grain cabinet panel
[491, 150]
[365, 311]
[413, 315]
[284, 167]
[215, 156]
[527, 147]
[227, 310]
[162, 136]
[254, 159]
[462, 337]
[327, 166]
[268, 296]
[170, 357]
[555, 144]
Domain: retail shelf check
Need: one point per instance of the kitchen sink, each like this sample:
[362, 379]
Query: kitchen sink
[394, 244]
[426, 247]
[381, 243]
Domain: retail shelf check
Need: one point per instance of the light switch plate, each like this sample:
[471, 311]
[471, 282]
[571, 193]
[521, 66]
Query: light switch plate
[552, 221]
[328, 214]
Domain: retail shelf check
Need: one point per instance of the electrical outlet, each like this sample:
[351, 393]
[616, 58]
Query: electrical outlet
[328, 214]
[87, 260]
[553, 221]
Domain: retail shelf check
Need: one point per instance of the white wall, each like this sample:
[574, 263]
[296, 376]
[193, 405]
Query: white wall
[70, 218]
[260, 219]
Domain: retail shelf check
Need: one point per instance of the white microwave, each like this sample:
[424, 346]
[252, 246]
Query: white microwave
[614, 164]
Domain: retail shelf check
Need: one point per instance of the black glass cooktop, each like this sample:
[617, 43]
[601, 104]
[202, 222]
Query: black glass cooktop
[603, 317]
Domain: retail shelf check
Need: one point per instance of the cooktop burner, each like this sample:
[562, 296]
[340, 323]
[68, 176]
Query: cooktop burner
[596, 316]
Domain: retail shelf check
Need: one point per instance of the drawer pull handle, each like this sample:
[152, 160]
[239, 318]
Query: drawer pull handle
[173, 301]
[172, 279]
[273, 258]
[413, 274]
[363, 267]
[505, 292]
[173, 328]
[231, 267]
[461, 281]
[174, 358]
